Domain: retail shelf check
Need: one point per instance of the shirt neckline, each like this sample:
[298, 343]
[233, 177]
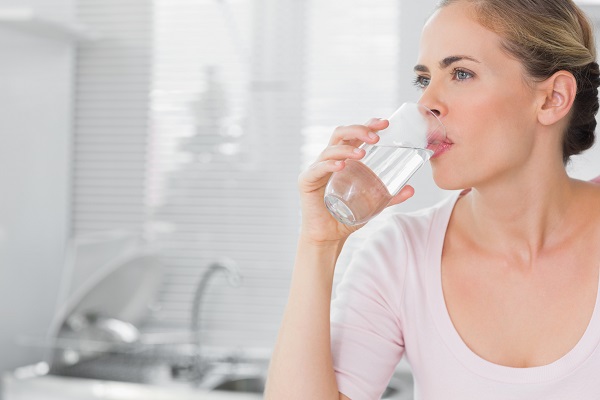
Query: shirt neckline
[556, 370]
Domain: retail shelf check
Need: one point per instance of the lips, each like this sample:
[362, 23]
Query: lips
[441, 148]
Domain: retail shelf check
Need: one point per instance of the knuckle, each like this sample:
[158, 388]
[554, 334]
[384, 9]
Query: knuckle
[339, 128]
[360, 128]
[323, 154]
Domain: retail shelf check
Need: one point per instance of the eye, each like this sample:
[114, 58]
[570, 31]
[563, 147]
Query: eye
[461, 74]
[421, 82]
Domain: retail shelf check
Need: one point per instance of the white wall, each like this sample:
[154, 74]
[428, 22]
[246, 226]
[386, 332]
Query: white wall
[35, 131]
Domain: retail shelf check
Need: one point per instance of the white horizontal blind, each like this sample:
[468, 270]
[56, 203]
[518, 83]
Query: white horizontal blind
[226, 111]
[193, 122]
[112, 89]
[188, 123]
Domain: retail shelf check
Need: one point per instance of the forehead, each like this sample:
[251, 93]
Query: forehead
[452, 30]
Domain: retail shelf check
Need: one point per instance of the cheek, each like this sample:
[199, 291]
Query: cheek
[512, 127]
[490, 137]
[492, 123]
[501, 121]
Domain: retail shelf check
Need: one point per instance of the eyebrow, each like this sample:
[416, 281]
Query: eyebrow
[445, 63]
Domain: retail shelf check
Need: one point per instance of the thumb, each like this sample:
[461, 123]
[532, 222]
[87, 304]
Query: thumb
[406, 193]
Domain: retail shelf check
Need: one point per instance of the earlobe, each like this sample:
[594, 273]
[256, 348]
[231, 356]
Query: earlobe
[559, 94]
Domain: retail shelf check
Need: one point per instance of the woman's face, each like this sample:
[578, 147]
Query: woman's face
[482, 97]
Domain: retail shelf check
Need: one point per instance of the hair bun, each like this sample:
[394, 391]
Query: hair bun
[590, 76]
[594, 74]
[581, 134]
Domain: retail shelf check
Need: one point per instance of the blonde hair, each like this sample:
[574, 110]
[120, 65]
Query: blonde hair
[548, 36]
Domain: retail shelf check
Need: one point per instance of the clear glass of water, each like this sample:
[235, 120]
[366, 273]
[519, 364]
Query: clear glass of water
[365, 187]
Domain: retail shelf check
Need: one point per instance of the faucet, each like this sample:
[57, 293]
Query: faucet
[234, 278]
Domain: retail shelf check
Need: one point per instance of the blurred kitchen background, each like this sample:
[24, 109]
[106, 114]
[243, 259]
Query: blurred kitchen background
[149, 152]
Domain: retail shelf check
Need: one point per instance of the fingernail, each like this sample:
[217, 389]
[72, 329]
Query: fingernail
[372, 135]
[338, 163]
[356, 150]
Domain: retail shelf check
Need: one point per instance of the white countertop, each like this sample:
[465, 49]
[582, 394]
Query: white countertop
[60, 388]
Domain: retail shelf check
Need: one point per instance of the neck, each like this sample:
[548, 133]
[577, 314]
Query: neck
[521, 215]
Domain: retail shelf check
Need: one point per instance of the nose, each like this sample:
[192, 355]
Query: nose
[432, 99]
[435, 111]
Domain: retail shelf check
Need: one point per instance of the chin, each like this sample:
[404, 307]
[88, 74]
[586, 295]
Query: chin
[451, 186]
[449, 180]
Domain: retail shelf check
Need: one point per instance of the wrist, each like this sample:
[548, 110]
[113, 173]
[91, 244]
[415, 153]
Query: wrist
[307, 240]
[329, 249]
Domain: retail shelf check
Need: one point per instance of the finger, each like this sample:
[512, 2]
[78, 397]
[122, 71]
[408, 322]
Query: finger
[377, 124]
[353, 134]
[406, 193]
[341, 152]
[319, 172]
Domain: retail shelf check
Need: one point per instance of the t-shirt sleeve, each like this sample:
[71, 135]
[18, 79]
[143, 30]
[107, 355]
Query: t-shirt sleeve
[366, 330]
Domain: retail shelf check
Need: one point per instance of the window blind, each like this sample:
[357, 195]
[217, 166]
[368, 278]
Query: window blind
[194, 119]
[227, 115]
[112, 88]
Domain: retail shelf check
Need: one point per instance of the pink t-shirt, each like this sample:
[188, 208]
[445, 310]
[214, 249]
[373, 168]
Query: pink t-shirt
[390, 305]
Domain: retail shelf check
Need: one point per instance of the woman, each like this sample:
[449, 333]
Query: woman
[493, 293]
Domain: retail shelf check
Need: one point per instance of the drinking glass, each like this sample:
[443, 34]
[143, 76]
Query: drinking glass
[365, 187]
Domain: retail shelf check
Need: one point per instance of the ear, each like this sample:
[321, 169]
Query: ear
[558, 94]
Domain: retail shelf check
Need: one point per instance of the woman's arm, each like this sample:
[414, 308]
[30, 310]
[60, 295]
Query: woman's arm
[301, 366]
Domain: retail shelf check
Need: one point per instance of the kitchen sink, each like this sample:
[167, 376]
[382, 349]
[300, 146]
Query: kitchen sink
[52, 387]
[235, 378]
[246, 384]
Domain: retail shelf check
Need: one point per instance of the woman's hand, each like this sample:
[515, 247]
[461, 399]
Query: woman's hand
[318, 225]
